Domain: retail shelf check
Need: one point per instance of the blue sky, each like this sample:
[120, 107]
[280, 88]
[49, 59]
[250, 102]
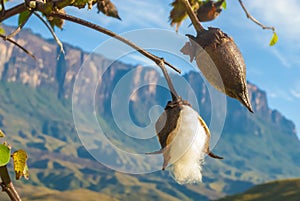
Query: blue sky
[273, 69]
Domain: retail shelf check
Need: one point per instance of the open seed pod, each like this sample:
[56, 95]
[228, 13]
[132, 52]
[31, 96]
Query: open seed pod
[108, 8]
[221, 62]
[184, 139]
[209, 10]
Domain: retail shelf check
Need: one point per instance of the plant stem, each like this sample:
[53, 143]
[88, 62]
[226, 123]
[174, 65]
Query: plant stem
[7, 185]
[195, 21]
[159, 61]
[18, 45]
[59, 43]
[253, 19]
[12, 11]
[15, 32]
[147, 54]
[40, 6]
[2, 7]
[173, 92]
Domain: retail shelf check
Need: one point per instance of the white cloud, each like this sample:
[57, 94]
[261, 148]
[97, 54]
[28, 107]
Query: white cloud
[295, 90]
[281, 94]
[295, 93]
[273, 95]
[281, 57]
[284, 15]
[137, 59]
[144, 13]
[135, 15]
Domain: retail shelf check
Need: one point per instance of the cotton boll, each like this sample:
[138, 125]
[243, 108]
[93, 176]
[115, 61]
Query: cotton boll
[187, 149]
[184, 139]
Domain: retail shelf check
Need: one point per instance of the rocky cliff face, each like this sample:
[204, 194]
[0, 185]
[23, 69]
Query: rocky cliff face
[59, 73]
[15, 66]
[254, 145]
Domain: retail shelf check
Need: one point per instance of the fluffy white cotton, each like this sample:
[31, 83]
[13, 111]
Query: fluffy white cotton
[187, 147]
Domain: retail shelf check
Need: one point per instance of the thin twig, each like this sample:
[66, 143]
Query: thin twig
[59, 43]
[173, 92]
[15, 32]
[2, 7]
[40, 6]
[147, 54]
[7, 185]
[253, 19]
[13, 11]
[159, 61]
[195, 21]
[18, 45]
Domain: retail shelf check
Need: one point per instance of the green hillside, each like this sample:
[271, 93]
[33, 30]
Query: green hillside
[35, 120]
[287, 190]
[257, 147]
[34, 193]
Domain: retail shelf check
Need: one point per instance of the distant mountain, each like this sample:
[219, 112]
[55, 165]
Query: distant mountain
[35, 112]
[272, 191]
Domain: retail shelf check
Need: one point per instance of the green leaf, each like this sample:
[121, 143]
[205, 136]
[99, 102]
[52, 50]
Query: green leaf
[4, 154]
[274, 39]
[2, 133]
[23, 17]
[2, 31]
[178, 12]
[26, 172]
[224, 4]
[56, 22]
[81, 3]
[20, 166]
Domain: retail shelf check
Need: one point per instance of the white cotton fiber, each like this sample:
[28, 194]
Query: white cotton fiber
[187, 148]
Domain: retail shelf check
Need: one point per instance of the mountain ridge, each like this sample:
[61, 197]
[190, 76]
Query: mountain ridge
[250, 143]
[61, 78]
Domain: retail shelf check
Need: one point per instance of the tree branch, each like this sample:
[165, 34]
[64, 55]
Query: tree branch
[18, 45]
[15, 32]
[13, 11]
[59, 43]
[173, 92]
[159, 61]
[40, 6]
[82, 22]
[195, 21]
[253, 19]
[2, 7]
[7, 185]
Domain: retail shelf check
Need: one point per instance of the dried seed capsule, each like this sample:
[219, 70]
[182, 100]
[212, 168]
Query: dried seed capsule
[108, 8]
[184, 138]
[209, 11]
[229, 76]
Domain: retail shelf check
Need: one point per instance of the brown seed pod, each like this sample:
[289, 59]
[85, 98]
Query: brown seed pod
[209, 11]
[213, 48]
[108, 8]
[179, 129]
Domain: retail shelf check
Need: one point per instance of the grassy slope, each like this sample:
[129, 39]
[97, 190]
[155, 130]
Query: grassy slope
[36, 121]
[274, 191]
[54, 160]
[253, 159]
[45, 194]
